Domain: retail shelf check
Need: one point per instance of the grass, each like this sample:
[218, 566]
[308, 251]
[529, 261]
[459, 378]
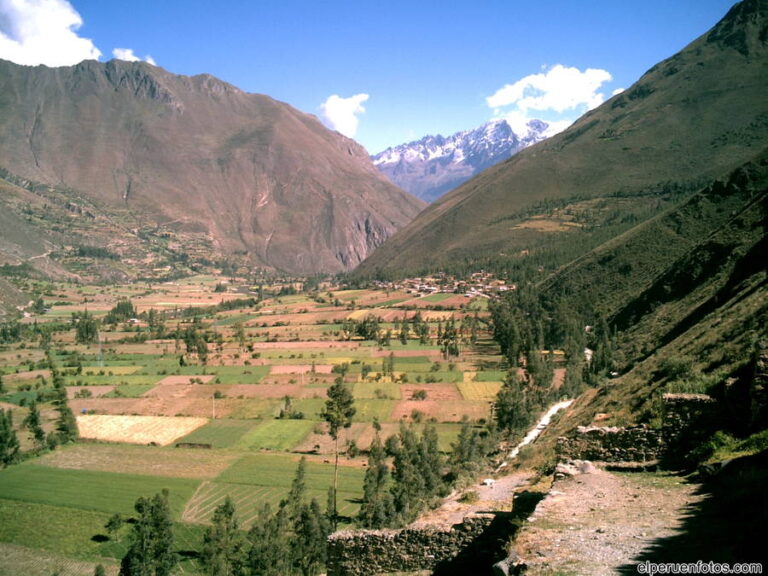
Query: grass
[368, 409]
[89, 490]
[277, 470]
[58, 529]
[248, 499]
[239, 374]
[223, 433]
[140, 460]
[378, 390]
[276, 435]
[491, 376]
[479, 390]
[37, 562]
[256, 408]
[437, 297]
[129, 391]
[258, 478]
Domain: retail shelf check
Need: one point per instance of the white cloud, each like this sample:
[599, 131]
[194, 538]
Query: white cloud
[128, 55]
[341, 114]
[617, 91]
[558, 95]
[43, 32]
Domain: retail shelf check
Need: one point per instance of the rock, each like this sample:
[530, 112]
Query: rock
[507, 566]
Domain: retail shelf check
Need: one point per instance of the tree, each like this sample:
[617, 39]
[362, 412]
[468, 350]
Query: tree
[338, 412]
[240, 334]
[151, 550]
[9, 442]
[293, 502]
[311, 531]
[86, 327]
[377, 509]
[269, 553]
[113, 525]
[223, 552]
[66, 423]
[32, 422]
[512, 413]
[122, 311]
[449, 339]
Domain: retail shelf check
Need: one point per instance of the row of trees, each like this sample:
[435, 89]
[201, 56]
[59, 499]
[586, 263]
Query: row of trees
[65, 427]
[420, 472]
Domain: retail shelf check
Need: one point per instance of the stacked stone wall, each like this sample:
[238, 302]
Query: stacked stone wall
[368, 552]
[685, 416]
[634, 444]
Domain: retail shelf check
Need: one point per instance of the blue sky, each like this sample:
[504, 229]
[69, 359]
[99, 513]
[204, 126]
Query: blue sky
[398, 69]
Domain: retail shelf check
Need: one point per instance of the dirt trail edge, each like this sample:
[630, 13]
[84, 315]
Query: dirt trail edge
[596, 522]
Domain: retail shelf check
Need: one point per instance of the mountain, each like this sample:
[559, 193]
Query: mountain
[689, 120]
[430, 167]
[200, 167]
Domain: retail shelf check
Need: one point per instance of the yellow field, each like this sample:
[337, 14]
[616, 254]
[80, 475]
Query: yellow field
[161, 430]
[481, 391]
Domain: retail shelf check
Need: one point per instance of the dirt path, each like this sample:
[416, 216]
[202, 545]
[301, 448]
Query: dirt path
[594, 523]
[494, 497]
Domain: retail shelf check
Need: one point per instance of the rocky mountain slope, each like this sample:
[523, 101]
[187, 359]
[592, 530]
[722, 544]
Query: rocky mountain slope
[434, 165]
[196, 162]
[689, 120]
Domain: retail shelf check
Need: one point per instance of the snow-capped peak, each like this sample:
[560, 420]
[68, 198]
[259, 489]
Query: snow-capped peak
[434, 164]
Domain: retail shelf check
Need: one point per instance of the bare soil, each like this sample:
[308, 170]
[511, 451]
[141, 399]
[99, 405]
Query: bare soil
[593, 524]
[493, 497]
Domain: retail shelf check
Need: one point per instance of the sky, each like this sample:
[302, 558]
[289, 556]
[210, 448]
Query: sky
[381, 72]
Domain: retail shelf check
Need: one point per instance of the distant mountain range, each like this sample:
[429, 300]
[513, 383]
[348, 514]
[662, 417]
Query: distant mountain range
[430, 167]
[158, 169]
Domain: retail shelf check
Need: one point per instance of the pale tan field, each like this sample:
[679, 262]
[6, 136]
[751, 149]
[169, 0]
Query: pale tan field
[143, 460]
[96, 391]
[300, 369]
[441, 410]
[136, 429]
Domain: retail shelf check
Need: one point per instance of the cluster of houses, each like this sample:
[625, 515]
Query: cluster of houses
[483, 284]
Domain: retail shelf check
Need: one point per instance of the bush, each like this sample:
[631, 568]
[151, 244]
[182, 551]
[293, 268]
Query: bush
[469, 497]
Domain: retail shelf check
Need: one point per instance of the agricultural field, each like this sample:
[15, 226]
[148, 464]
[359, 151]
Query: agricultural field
[207, 392]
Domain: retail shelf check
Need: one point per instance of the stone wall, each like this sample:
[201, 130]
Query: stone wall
[634, 444]
[689, 419]
[368, 552]
[685, 416]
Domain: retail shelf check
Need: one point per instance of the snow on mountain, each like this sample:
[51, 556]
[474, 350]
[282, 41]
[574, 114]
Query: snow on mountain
[432, 166]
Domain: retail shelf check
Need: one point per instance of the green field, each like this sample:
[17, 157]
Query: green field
[259, 478]
[435, 298]
[491, 376]
[276, 435]
[252, 457]
[88, 490]
[223, 433]
[379, 390]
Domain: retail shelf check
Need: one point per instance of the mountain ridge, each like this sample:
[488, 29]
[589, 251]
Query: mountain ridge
[436, 164]
[241, 171]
